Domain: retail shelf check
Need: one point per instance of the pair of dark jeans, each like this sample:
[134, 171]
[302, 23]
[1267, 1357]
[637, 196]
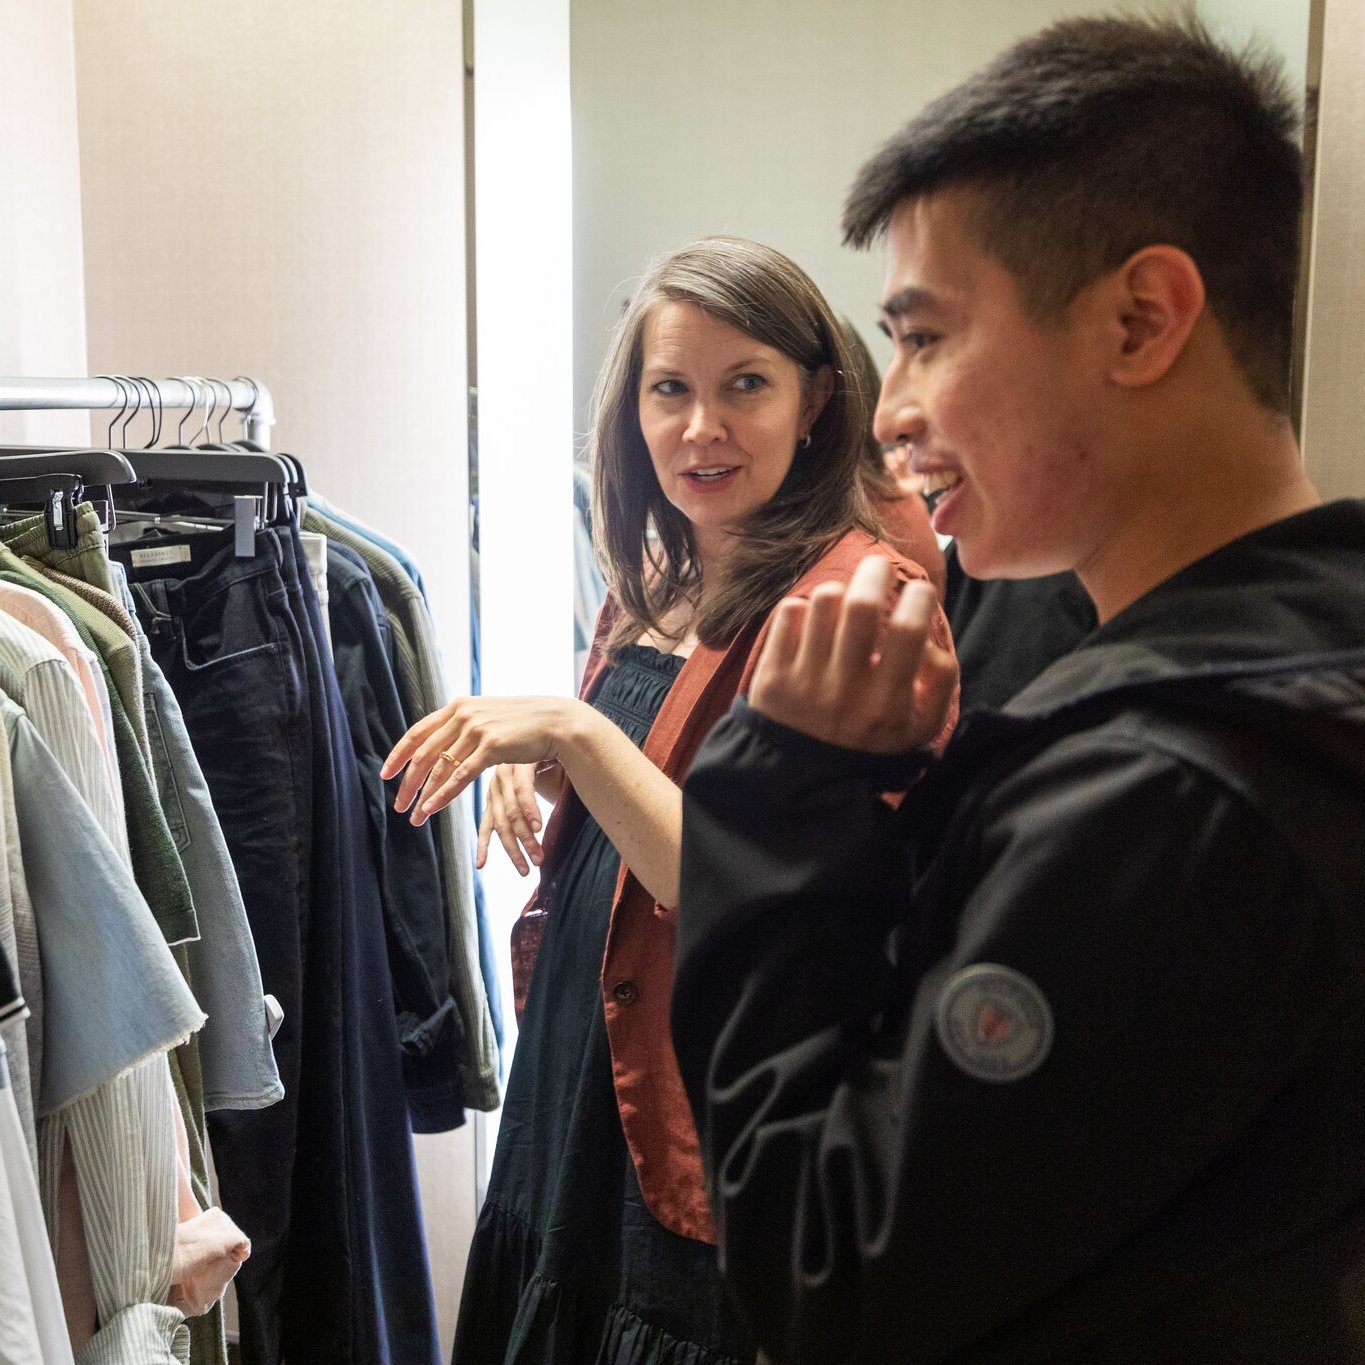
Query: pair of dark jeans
[430, 1031]
[393, 1316]
[323, 1182]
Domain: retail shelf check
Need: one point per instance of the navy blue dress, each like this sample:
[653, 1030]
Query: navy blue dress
[567, 1266]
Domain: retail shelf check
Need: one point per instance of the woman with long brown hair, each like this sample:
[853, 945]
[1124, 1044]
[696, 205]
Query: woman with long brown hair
[724, 447]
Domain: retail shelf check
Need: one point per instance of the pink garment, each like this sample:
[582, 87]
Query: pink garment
[33, 610]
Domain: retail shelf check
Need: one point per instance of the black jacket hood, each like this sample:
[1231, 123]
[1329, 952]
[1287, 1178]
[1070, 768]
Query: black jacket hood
[1270, 627]
[1259, 648]
[1289, 597]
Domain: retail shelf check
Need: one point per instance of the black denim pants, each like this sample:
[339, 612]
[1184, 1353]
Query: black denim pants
[324, 1182]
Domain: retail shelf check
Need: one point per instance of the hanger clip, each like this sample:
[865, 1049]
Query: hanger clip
[245, 510]
[59, 517]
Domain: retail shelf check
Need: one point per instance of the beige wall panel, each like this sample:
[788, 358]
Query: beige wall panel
[446, 1175]
[1332, 415]
[42, 305]
[277, 190]
[710, 117]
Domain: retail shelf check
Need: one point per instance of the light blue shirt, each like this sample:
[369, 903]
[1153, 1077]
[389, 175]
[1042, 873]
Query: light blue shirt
[112, 993]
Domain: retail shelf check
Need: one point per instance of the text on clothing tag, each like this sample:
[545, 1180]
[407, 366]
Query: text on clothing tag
[158, 556]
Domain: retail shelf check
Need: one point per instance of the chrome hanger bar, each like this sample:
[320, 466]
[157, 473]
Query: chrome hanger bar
[250, 400]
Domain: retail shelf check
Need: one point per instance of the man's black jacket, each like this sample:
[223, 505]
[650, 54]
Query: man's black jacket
[1163, 839]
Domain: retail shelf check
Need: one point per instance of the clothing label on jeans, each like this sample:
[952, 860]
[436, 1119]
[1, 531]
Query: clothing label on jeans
[161, 555]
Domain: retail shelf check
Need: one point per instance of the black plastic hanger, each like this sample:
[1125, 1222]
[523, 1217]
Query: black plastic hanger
[256, 486]
[299, 484]
[94, 465]
[56, 482]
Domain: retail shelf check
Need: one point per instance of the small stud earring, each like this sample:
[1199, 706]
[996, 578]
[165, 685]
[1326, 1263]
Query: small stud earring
[805, 441]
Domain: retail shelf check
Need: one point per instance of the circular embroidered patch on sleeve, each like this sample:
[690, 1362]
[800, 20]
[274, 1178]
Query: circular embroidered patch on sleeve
[994, 1023]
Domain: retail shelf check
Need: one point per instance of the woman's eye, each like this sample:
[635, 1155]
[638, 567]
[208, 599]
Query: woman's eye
[750, 383]
[669, 388]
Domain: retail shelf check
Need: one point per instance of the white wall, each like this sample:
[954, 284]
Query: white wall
[1331, 416]
[524, 259]
[277, 190]
[1332, 410]
[1281, 24]
[42, 305]
[702, 116]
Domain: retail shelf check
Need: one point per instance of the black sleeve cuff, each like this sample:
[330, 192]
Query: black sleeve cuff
[818, 762]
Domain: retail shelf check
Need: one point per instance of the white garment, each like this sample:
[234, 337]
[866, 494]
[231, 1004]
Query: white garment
[32, 1328]
[123, 1142]
[315, 552]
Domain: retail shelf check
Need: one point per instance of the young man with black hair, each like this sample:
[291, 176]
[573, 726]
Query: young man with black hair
[1064, 1059]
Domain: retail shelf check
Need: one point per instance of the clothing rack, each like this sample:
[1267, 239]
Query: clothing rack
[247, 398]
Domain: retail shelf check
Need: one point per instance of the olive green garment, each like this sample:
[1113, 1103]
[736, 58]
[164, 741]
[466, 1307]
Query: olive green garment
[108, 603]
[156, 863]
[422, 690]
[87, 561]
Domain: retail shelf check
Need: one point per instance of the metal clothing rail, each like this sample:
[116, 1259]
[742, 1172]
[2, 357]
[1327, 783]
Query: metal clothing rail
[250, 400]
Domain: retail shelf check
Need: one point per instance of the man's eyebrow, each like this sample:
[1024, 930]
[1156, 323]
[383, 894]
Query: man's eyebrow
[911, 299]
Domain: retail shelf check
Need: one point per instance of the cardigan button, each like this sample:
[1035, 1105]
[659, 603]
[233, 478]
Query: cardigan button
[625, 992]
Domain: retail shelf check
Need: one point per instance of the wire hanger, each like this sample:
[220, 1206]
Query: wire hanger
[299, 488]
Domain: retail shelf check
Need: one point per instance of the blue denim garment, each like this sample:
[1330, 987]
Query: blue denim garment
[392, 1317]
[221, 631]
[422, 689]
[589, 587]
[429, 1028]
[234, 1045]
[100, 946]
[359, 528]
[323, 1183]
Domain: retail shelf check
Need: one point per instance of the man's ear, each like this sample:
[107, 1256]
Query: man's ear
[1159, 297]
[821, 386]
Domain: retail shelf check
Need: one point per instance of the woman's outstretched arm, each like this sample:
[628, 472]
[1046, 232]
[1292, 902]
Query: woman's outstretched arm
[639, 809]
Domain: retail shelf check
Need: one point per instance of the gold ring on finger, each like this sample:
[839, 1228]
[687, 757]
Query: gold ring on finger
[450, 758]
